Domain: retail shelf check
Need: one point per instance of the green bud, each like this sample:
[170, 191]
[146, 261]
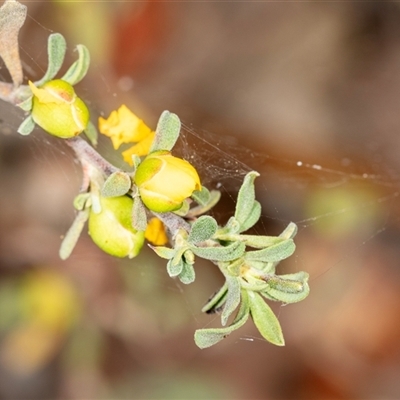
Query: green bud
[111, 229]
[165, 181]
[57, 109]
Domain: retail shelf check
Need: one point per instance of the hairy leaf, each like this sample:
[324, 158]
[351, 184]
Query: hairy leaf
[273, 253]
[216, 300]
[187, 275]
[79, 68]
[73, 234]
[117, 184]
[245, 200]
[232, 298]
[252, 218]
[265, 320]
[290, 288]
[91, 133]
[27, 126]
[163, 252]
[12, 17]
[221, 253]
[202, 229]
[208, 337]
[167, 132]
[175, 268]
[56, 47]
[139, 217]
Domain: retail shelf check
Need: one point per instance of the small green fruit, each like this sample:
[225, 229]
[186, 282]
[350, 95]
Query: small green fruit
[112, 230]
[57, 109]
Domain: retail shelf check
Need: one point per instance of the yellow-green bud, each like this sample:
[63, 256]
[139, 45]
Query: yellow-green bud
[112, 230]
[57, 109]
[165, 181]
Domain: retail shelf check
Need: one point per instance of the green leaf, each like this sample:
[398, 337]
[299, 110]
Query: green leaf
[175, 267]
[163, 252]
[202, 229]
[208, 337]
[179, 252]
[79, 68]
[26, 104]
[252, 218]
[274, 253]
[139, 216]
[233, 225]
[73, 234]
[216, 300]
[215, 196]
[91, 133]
[257, 242]
[117, 184]
[232, 298]
[80, 201]
[246, 199]
[167, 132]
[222, 253]
[290, 288]
[187, 275]
[182, 212]
[56, 47]
[202, 196]
[289, 232]
[136, 160]
[265, 320]
[27, 126]
[189, 257]
[12, 18]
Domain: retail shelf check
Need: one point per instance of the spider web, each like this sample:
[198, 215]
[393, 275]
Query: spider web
[223, 161]
[341, 210]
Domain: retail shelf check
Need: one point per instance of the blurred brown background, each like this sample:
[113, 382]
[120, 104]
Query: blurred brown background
[307, 94]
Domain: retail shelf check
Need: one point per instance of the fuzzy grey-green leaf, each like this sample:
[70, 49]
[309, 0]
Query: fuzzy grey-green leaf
[79, 68]
[91, 133]
[27, 126]
[202, 196]
[215, 196]
[26, 104]
[216, 300]
[252, 218]
[274, 253]
[73, 234]
[163, 252]
[290, 288]
[208, 337]
[290, 231]
[259, 242]
[187, 275]
[175, 268]
[139, 216]
[202, 229]
[167, 132]
[56, 47]
[221, 253]
[12, 18]
[117, 184]
[245, 199]
[81, 200]
[232, 298]
[265, 320]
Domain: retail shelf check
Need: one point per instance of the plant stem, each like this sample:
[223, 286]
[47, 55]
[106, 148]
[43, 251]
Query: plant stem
[87, 154]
